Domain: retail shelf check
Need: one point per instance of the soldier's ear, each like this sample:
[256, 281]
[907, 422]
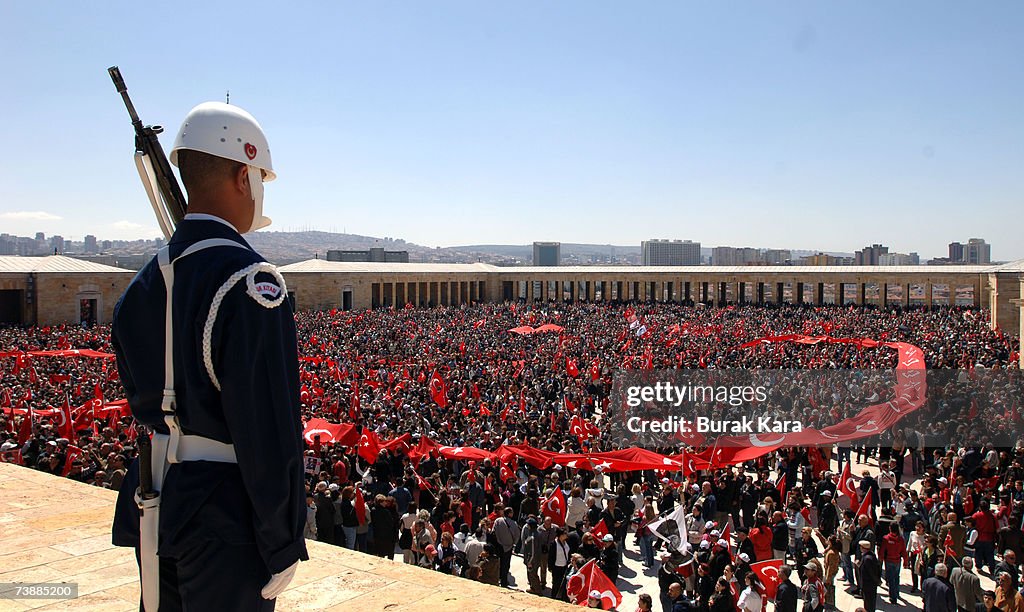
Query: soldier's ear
[240, 179]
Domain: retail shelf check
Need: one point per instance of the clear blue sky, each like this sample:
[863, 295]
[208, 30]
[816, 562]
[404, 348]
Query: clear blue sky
[815, 125]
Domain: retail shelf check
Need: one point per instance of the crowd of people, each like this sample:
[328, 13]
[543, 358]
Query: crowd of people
[944, 497]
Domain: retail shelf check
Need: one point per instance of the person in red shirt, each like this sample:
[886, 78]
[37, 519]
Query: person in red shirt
[893, 554]
[340, 470]
[985, 546]
[761, 537]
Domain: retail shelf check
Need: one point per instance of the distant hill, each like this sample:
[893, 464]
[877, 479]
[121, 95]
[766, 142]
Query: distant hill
[288, 247]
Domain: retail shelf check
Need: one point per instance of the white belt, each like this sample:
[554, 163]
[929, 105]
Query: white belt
[195, 448]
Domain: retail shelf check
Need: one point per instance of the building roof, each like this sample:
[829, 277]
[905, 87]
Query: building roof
[1013, 266]
[53, 264]
[322, 265]
[750, 270]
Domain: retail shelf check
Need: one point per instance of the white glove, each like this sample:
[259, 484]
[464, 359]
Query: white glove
[278, 582]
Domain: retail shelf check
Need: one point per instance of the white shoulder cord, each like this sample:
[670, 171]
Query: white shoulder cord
[249, 274]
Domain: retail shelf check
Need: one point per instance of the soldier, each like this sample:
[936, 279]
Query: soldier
[219, 387]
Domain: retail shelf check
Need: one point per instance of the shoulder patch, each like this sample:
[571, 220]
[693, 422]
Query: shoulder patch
[269, 290]
[267, 293]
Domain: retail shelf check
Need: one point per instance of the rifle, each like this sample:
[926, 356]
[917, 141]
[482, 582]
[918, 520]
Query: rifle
[154, 169]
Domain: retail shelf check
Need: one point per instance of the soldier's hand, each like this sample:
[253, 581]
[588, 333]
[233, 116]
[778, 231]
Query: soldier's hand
[278, 582]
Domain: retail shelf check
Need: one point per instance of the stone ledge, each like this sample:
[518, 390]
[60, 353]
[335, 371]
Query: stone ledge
[58, 530]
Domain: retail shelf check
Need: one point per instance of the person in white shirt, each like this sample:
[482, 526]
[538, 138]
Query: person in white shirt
[886, 483]
[462, 538]
[750, 597]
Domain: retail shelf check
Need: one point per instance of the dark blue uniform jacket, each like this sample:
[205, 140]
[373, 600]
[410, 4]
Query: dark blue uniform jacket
[261, 499]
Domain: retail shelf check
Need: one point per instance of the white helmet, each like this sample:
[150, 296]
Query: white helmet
[227, 131]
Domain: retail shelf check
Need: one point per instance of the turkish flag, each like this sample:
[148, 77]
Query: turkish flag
[423, 483]
[867, 509]
[438, 390]
[846, 484]
[467, 513]
[25, 429]
[950, 555]
[768, 573]
[781, 486]
[571, 368]
[66, 427]
[369, 445]
[73, 453]
[555, 507]
[727, 535]
[590, 578]
[336, 433]
[600, 530]
[685, 569]
[984, 484]
[595, 370]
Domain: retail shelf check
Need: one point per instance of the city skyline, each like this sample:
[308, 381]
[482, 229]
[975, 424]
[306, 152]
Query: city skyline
[802, 126]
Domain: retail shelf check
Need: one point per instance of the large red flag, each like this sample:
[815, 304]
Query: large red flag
[846, 485]
[555, 507]
[768, 573]
[438, 390]
[590, 578]
[600, 530]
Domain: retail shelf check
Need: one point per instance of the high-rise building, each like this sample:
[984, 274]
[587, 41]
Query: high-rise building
[899, 259]
[824, 259]
[977, 251]
[956, 252]
[547, 253]
[777, 257]
[868, 256]
[736, 256]
[90, 244]
[656, 252]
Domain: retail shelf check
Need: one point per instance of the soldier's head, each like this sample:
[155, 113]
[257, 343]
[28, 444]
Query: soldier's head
[224, 159]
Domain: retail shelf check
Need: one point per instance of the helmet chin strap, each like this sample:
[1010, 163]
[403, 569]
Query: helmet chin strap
[256, 189]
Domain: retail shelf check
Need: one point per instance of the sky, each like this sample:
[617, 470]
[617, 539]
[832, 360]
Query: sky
[805, 125]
